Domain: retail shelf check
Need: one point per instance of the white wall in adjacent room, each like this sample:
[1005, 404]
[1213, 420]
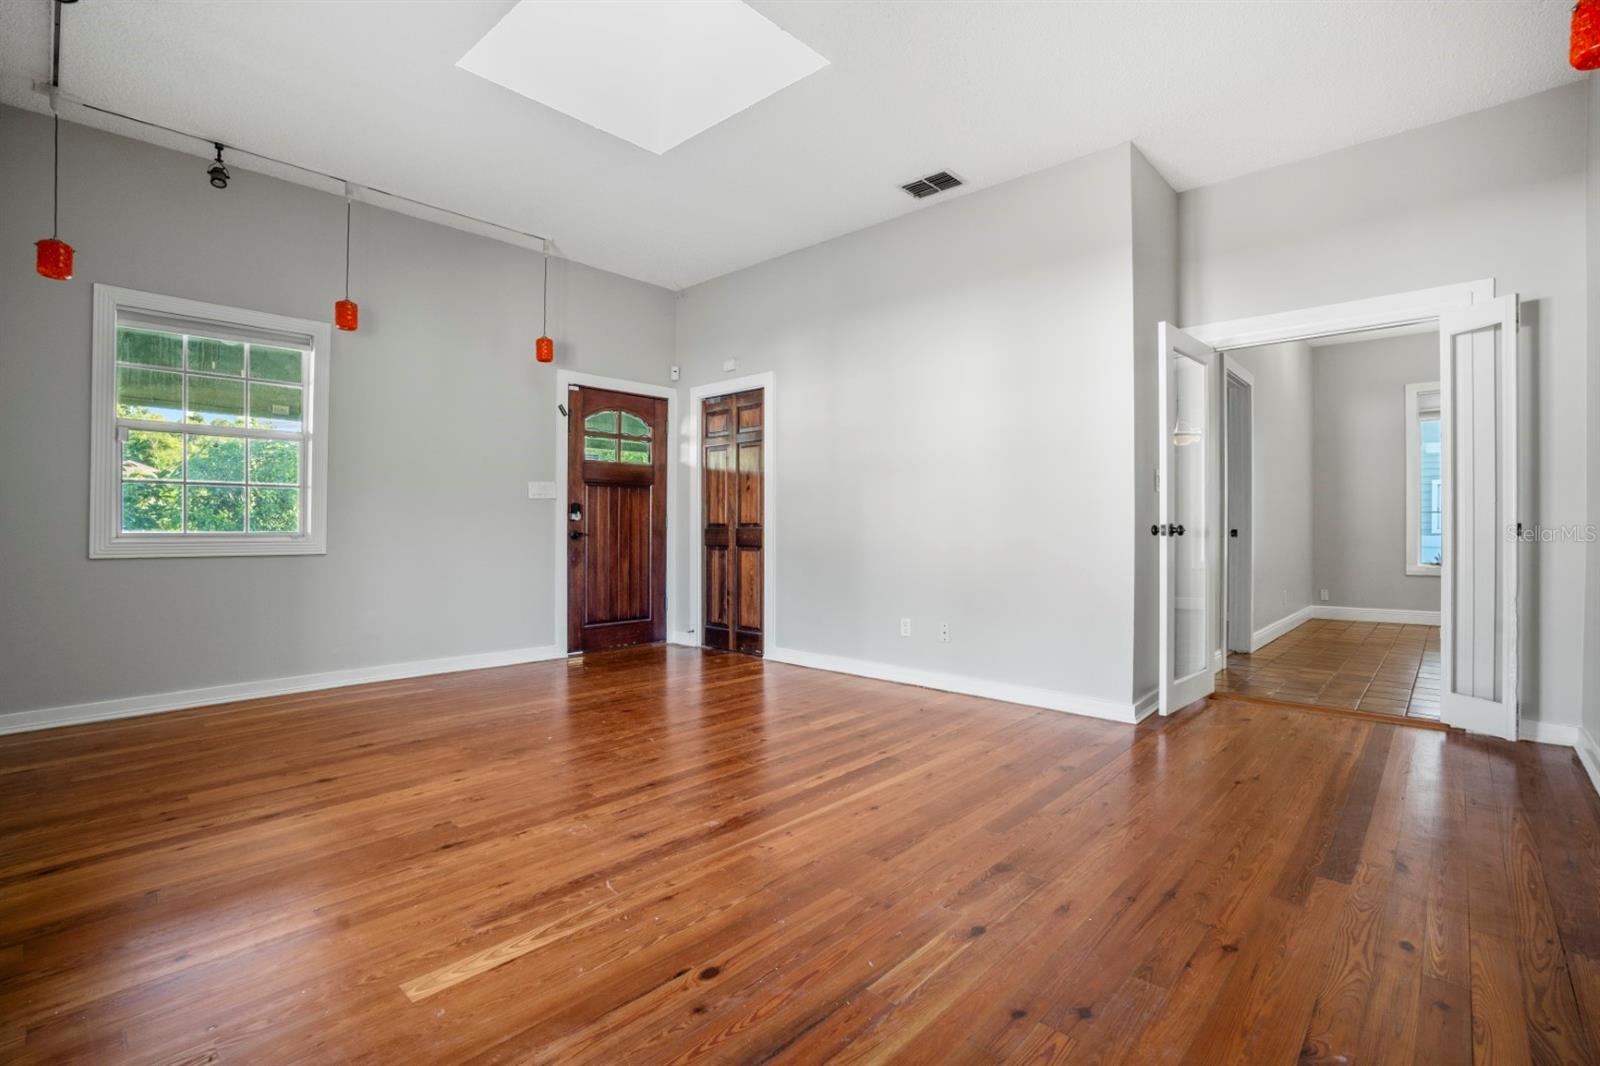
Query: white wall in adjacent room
[1358, 465]
[439, 418]
[1495, 194]
[1280, 479]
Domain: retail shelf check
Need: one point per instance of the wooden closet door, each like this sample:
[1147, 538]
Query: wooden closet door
[616, 519]
[732, 477]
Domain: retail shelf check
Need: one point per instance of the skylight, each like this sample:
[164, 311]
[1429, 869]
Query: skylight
[653, 72]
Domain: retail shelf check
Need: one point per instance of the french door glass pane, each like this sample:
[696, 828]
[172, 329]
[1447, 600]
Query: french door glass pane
[636, 452]
[274, 510]
[148, 348]
[147, 456]
[275, 364]
[275, 406]
[600, 449]
[216, 401]
[1188, 469]
[275, 462]
[216, 509]
[151, 506]
[634, 426]
[152, 395]
[216, 357]
[601, 422]
[216, 458]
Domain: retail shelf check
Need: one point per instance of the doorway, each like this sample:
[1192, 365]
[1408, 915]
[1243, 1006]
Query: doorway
[733, 480]
[1477, 496]
[616, 518]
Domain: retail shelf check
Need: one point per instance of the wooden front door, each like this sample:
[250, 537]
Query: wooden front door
[616, 519]
[732, 474]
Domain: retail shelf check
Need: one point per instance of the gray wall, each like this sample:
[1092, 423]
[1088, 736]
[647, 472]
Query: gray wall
[434, 548]
[1358, 465]
[1591, 691]
[955, 430]
[1281, 489]
[1495, 194]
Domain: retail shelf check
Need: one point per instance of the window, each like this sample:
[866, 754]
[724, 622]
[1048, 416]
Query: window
[209, 430]
[1424, 500]
[616, 437]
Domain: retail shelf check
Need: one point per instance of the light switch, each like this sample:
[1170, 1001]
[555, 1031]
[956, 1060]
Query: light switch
[541, 490]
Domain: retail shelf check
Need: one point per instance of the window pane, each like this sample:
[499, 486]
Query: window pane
[148, 348]
[154, 395]
[216, 458]
[601, 449]
[1430, 542]
[275, 364]
[216, 401]
[216, 509]
[601, 422]
[216, 357]
[151, 506]
[275, 406]
[152, 455]
[636, 451]
[275, 462]
[274, 510]
[634, 426]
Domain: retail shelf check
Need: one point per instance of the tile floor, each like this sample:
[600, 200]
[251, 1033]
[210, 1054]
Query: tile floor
[1365, 666]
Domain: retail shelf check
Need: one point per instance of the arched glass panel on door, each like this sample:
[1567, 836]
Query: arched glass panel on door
[616, 437]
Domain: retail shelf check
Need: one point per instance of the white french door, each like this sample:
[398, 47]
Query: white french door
[1478, 402]
[1190, 487]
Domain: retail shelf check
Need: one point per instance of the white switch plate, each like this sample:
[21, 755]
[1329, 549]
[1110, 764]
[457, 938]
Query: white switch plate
[675, 373]
[905, 627]
[944, 632]
[541, 490]
[730, 364]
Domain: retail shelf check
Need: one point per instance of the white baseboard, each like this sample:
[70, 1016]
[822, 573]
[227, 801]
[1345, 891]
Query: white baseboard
[1589, 755]
[1272, 631]
[129, 707]
[688, 640]
[1548, 732]
[1146, 705]
[1269, 633]
[1374, 614]
[1050, 699]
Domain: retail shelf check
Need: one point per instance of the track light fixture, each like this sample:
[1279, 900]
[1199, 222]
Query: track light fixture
[218, 171]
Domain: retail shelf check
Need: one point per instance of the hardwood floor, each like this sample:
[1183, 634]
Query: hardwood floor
[669, 855]
[1367, 666]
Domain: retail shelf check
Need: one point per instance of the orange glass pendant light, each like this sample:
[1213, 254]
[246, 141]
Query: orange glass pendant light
[346, 315]
[53, 256]
[1585, 51]
[544, 349]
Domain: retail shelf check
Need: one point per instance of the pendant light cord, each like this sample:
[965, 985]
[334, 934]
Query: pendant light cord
[544, 311]
[347, 248]
[55, 115]
[55, 182]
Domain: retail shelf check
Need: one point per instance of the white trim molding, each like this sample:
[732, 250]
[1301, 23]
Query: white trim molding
[564, 379]
[1273, 630]
[1393, 616]
[106, 539]
[161, 702]
[691, 617]
[1381, 312]
[1004, 692]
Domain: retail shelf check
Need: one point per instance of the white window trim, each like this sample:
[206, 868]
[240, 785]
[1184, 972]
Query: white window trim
[1415, 407]
[106, 540]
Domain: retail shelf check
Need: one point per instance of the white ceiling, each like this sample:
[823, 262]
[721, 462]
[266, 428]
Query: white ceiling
[989, 90]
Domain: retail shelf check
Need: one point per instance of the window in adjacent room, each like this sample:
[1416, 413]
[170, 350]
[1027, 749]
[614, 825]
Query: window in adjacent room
[210, 429]
[1424, 500]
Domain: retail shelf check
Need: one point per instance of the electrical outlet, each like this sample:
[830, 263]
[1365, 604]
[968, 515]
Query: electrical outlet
[1324, 595]
[905, 627]
[944, 632]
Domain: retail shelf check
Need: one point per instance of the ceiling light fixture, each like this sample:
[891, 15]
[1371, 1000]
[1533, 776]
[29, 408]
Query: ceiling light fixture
[346, 315]
[53, 256]
[218, 171]
[1585, 50]
[544, 349]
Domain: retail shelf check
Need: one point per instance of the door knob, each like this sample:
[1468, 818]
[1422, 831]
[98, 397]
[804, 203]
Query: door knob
[574, 535]
[1177, 531]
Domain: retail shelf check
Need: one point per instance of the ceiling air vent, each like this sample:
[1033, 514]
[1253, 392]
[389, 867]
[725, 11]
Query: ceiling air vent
[931, 184]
